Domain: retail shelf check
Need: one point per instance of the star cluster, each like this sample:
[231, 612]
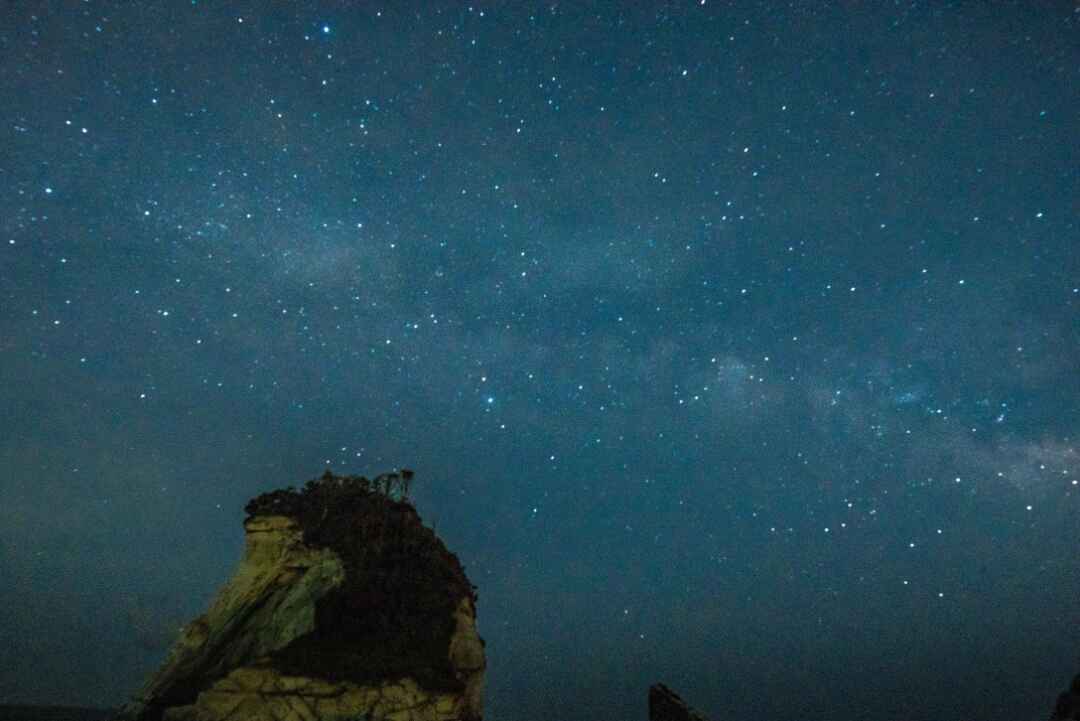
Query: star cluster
[735, 345]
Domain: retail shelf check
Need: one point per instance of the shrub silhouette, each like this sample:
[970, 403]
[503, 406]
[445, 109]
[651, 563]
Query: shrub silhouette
[401, 582]
[329, 489]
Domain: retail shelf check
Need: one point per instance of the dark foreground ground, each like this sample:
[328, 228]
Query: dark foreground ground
[54, 713]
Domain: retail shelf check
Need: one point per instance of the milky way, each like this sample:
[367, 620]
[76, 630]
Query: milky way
[734, 345]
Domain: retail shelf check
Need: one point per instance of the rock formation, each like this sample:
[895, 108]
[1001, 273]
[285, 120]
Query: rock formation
[1068, 703]
[665, 705]
[344, 606]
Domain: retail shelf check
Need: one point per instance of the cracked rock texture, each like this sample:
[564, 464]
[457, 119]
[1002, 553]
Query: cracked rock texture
[343, 607]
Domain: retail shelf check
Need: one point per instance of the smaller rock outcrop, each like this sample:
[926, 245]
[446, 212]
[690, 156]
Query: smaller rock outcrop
[1068, 703]
[666, 705]
[344, 606]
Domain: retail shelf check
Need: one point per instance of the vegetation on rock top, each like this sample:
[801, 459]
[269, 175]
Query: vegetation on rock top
[393, 613]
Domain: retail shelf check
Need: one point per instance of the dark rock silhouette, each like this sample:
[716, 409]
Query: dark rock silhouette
[1068, 703]
[344, 606]
[666, 705]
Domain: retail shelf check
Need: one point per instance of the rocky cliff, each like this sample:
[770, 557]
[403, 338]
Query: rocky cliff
[344, 606]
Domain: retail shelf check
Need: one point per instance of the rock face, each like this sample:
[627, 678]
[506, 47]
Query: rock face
[344, 606]
[665, 705]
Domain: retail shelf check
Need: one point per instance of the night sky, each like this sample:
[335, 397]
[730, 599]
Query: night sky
[734, 345]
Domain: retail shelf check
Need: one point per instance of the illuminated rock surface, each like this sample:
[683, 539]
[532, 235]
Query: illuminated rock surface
[343, 606]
